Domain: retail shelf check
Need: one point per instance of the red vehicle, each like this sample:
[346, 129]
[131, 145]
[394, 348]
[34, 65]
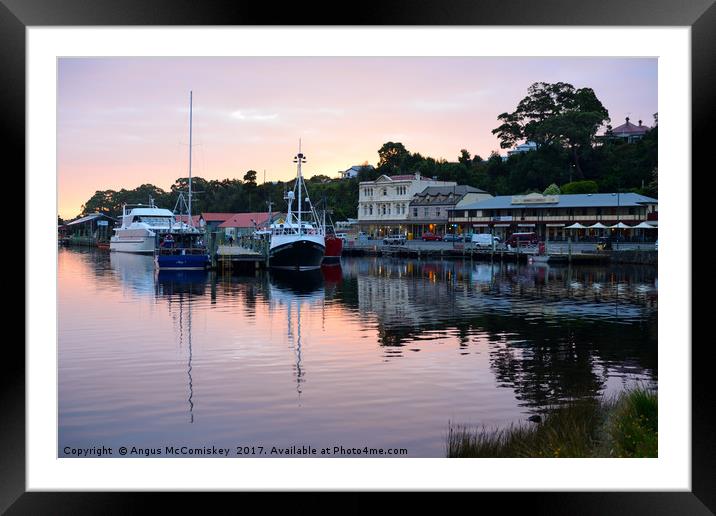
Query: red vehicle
[431, 237]
[521, 239]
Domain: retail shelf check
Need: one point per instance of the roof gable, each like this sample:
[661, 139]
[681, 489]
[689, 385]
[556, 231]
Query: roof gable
[246, 220]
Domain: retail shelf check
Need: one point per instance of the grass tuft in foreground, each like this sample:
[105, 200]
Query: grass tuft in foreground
[625, 426]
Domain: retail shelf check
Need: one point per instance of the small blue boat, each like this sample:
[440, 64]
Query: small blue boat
[189, 262]
[182, 251]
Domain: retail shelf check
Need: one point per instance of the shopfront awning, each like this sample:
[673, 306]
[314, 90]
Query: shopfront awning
[502, 225]
[645, 225]
[576, 225]
[526, 225]
[620, 225]
[598, 225]
[480, 225]
[555, 225]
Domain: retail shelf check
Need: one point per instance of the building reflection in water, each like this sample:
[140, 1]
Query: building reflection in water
[551, 333]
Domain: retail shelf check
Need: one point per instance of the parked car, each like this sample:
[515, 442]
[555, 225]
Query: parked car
[396, 239]
[521, 239]
[452, 237]
[432, 237]
[485, 240]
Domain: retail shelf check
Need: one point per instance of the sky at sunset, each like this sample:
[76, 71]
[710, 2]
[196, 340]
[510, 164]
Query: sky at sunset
[123, 122]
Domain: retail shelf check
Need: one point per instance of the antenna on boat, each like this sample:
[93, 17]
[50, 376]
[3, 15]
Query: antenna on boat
[299, 159]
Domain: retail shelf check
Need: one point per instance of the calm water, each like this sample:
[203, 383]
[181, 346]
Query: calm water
[378, 353]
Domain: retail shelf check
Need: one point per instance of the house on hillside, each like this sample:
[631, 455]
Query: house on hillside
[627, 132]
[354, 170]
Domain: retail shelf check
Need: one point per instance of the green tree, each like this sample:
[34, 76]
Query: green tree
[580, 187]
[464, 157]
[391, 157]
[552, 189]
[250, 177]
[554, 114]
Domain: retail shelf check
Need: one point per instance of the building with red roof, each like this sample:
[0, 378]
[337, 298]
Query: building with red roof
[627, 131]
[246, 223]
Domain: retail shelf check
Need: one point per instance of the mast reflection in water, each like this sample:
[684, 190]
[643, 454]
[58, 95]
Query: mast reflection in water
[378, 352]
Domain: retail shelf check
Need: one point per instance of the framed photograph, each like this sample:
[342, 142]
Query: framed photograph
[417, 250]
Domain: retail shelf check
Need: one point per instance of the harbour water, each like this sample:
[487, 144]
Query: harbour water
[377, 353]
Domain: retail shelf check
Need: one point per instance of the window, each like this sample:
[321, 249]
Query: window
[437, 212]
[370, 209]
[426, 212]
[385, 191]
[415, 212]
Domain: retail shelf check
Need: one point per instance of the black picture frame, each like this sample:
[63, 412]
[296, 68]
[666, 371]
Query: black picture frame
[700, 15]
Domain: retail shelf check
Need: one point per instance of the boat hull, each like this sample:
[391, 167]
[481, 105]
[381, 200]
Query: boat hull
[334, 248]
[135, 245]
[540, 258]
[180, 262]
[300, 254]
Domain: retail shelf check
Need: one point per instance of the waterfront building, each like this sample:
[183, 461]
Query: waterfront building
[352, 172]
[384, 204]
[241, 224]
[208, 220]
[429, 208]
[212, 220]
[549, 215]
[89, 230]
[348, 225]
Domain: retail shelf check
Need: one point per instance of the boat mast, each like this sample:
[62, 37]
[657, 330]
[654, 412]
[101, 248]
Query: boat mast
[190, 116]
[299, 182]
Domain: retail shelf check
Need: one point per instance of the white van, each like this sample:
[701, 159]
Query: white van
[484, 240]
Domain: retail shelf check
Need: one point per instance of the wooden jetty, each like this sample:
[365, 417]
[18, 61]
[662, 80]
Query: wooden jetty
[468, 252]
[245, 252]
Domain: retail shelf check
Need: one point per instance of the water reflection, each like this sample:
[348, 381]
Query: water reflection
[379, 350]
[290, 291]
[179, 288]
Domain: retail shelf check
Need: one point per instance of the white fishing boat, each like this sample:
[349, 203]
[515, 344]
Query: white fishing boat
[298, 242]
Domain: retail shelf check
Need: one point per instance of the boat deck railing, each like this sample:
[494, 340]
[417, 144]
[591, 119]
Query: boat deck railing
[173, 251]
